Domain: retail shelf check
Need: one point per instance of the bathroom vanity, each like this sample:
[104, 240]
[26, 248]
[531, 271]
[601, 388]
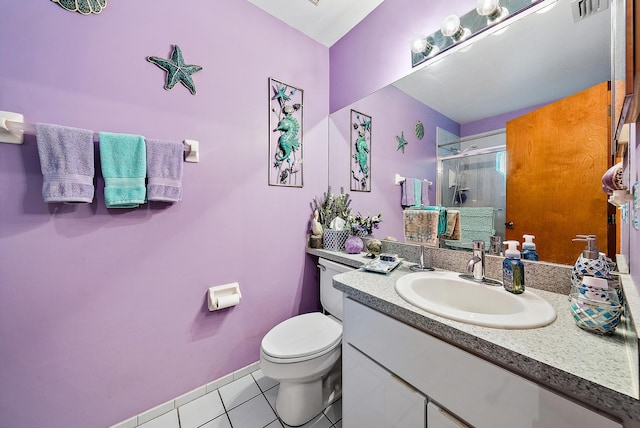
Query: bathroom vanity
[391, 371]
[406, 367]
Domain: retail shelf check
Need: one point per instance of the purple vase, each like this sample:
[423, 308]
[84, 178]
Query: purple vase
[354, 244]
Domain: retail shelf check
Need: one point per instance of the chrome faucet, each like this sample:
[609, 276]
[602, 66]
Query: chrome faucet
[476, 264]
[475, 267]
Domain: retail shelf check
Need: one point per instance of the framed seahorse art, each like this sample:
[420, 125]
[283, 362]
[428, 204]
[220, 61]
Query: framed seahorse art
[360, 152]
[285, 134]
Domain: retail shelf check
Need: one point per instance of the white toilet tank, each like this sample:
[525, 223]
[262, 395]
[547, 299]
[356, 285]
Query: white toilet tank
[331, 298]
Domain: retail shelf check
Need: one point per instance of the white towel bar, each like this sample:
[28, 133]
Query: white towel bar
[13, 128]
[399, 179]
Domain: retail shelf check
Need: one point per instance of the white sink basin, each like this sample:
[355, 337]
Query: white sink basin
[447, 295]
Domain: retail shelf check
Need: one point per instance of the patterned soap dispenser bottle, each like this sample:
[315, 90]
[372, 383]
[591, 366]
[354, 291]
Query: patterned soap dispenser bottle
[590, 262]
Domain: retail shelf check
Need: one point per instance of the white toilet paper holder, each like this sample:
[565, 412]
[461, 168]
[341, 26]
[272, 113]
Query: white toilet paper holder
[224, 296]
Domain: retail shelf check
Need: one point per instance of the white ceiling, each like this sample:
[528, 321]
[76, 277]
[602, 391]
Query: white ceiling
[325, 22]
[540, 58]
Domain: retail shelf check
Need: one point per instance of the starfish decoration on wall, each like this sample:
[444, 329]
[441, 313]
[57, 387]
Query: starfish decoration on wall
[280, 94]
[401, 141]
[177, 70]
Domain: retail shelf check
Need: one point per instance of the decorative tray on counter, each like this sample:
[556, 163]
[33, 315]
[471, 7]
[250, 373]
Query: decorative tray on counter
[381, 265]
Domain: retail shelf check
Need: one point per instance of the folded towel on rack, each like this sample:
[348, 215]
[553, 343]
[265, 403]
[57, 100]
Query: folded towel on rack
[442, 217]
[408, 197]
[453, 225]
[417, 193]
[124, 168]
[164, 170]
[421, 226]
[425, 192]
[412, 190]
[66, 162]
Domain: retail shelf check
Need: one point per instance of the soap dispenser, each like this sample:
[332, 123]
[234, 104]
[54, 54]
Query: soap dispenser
[590, 262]
[513, 269]
[529, 248]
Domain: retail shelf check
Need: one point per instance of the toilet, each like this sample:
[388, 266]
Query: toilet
[303, 354]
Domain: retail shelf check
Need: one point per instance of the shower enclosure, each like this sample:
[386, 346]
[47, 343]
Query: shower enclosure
[472, 179]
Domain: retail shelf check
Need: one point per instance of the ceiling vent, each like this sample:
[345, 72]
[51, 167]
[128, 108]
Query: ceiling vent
[585, 8]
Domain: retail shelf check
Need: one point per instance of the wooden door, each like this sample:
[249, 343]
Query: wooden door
[556, 157]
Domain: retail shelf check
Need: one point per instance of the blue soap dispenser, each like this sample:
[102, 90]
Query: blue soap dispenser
[513, 269]
[529, 248]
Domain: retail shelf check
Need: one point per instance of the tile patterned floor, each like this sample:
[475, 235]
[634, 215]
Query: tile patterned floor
[247, 402]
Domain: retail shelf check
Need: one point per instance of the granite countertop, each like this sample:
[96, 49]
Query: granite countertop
[600, 371]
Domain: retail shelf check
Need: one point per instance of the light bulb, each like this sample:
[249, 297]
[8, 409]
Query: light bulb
[491, 9]
[420, 45]
[451, 28]
[450, 25]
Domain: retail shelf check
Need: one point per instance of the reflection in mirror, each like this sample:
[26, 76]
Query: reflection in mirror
[540, 58]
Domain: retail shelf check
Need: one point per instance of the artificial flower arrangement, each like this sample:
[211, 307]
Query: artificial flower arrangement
[360, 224]
[332, 207]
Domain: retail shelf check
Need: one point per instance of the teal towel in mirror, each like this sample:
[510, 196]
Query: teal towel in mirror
[417, 193]
[124, 167]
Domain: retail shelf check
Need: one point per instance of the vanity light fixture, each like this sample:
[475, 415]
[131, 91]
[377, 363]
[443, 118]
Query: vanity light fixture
[451, 28]
[492, 10]
[457, 29]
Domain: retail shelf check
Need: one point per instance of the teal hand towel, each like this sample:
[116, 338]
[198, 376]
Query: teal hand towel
[124, 167]
[417, 193]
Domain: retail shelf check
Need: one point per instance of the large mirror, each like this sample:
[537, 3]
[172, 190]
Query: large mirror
[542, 57]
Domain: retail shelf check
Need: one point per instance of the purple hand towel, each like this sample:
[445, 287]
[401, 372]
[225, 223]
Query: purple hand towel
[408, 193]
[66, 161]
[164, 170]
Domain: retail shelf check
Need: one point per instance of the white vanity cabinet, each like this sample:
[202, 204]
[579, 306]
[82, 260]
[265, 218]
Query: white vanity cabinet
[383, 356]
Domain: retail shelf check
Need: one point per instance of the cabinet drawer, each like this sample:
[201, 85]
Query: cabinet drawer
[374, 398]
[477, 391]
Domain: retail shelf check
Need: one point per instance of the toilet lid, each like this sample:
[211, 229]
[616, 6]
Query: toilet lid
[302, 335]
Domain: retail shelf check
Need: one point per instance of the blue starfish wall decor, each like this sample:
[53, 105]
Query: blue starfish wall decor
[177, 70]
[84, 7]
[401, 141]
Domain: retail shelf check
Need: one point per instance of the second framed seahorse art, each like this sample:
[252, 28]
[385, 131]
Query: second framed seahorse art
[285, 134]
[360, 152]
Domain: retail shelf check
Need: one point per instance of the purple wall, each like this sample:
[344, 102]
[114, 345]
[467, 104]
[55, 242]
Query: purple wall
[383, 41]
[103, 312]
[392, 112]
[493, 123]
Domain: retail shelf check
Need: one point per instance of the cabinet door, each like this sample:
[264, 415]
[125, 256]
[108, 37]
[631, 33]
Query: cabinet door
[374, 398]
[440, 418]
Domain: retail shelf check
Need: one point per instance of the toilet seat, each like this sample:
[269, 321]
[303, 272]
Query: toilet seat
[301, 338]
